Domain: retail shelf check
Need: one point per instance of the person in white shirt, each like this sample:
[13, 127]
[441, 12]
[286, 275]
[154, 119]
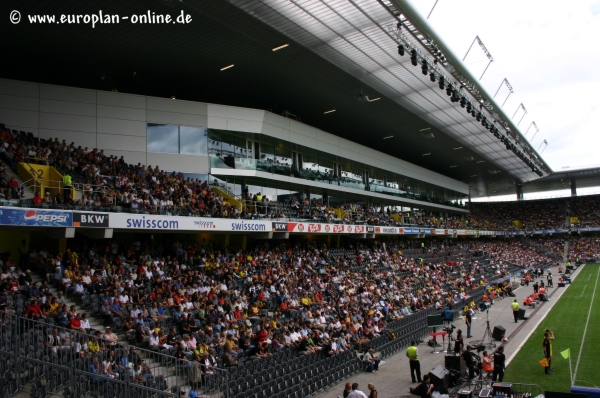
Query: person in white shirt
[154, 341]
[124, 299]
[85, 323]
[135, 312]
[356, 393]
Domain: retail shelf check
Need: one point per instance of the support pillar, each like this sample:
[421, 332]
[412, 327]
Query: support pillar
[519, 191]
[573, 187]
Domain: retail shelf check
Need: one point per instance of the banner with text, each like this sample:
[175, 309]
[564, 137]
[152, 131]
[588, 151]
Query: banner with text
[35, 217]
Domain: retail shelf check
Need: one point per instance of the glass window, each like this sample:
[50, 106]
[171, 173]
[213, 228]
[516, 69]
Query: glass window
[214, 143]
[163, 138]
[193, 140]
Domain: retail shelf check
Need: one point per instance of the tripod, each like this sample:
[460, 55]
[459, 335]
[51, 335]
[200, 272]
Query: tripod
[450, 340]
[488, 332]
[480, 382]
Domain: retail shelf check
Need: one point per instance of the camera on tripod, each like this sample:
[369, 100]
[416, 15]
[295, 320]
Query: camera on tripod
[450, 328]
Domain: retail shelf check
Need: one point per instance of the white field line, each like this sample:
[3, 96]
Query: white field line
[586, 326]
[583, 291]
[524, 340]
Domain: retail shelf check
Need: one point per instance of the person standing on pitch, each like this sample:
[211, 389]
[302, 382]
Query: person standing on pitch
[547, 344]
[515, 309]
[415, 366]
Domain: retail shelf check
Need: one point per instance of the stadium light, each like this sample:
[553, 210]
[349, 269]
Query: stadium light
[432, 77]
[424, 67]
[442, 84]
[413, 57]
[401, 50]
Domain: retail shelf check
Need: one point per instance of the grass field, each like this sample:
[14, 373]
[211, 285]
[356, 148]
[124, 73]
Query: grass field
[575, 320]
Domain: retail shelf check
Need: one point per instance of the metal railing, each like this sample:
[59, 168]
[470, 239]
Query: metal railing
[33, 358]
[520, 390]
[58, 188]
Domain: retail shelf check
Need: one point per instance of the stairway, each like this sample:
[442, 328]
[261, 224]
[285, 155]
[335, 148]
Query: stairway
[27, 192]
[97, 323]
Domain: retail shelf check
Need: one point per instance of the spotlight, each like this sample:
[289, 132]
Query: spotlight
[449, 90]
[469, 107]
[463, 102]
[432, 77]
[424, 67]
[441, 83]
[401, 49]
[478, 117]
[413, 57]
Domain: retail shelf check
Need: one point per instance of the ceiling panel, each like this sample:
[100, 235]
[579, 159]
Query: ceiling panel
[335, 49]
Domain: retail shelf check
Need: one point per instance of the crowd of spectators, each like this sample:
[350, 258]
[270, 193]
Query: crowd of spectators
[237, 304]
[547, 214]
[511, 252]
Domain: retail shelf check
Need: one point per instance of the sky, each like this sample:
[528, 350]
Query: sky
[548, 52]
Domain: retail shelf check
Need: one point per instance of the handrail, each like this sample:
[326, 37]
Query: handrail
[105, 190]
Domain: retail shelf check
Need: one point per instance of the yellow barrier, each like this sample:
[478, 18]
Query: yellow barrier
[518, 224]
[42, 178]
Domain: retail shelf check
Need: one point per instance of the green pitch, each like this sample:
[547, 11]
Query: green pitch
[576, 327]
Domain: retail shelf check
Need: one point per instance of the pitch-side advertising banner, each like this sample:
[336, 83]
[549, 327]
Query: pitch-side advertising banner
[148, 221]
[35, 217]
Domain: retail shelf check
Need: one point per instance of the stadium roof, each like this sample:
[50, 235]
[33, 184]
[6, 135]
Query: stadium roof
[336, 49]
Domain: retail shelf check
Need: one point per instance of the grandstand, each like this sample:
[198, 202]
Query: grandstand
[242, 206]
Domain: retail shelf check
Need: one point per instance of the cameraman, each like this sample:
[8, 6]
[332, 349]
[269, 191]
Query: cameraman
[468, 356]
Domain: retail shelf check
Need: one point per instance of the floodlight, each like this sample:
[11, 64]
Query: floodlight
[413, 57]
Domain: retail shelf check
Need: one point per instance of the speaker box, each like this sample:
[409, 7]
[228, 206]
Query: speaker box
[561, 284]
[456, 364]
[435, 320]
[502, 388]
[498, 333]
[440, 377]
[521, 314]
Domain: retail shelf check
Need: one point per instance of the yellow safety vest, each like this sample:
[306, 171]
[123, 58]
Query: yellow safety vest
[411, 353]
[67, 181]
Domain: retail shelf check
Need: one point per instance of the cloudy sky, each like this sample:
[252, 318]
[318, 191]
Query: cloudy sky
[549, 54]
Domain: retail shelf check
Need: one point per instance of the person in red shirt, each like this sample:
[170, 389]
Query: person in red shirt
[37, 199]
[75, 323]
[262, 335]
[14, 186]
[35, 309]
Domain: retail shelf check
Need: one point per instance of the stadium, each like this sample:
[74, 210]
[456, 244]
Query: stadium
[274, 198]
